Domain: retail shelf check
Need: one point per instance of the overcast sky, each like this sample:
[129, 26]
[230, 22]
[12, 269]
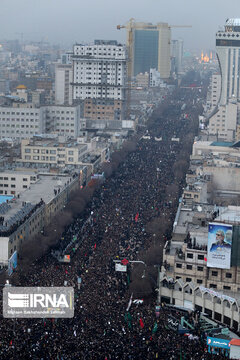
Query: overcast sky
[69, 21]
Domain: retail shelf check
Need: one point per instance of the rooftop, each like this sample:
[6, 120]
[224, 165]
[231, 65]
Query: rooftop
[229, 214]
[43, 189]
[233, 22]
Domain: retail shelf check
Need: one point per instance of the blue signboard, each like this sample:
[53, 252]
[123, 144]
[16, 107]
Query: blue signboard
[220, 343]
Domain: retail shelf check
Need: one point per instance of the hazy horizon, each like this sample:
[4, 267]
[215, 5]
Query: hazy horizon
[66, 22]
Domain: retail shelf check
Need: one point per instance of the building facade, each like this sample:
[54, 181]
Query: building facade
[15, 182]
[23, 121]
[99, 72]
[63, 87]
[20, 123]
[149, 47]
[176, 56]
[226, 118]
[51, 152]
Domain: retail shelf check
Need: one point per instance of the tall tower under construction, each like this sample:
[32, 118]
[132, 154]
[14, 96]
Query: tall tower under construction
[149, 46]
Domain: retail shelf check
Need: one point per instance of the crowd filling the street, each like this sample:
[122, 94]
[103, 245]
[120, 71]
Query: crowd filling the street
[119, 222]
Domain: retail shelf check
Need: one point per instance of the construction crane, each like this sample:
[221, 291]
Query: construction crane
[180, 26]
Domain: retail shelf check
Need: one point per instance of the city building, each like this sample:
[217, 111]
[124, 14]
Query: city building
[63, 87]
[99, 72]
[155, 78]
[63, 120]
[24, 120]
[26, 215]
[201, 266]
[213, 94]
[225, 120]
[52, 151]
[20, 122]
[149, 47]
[142, 80]
[15, 182]
[176, 56]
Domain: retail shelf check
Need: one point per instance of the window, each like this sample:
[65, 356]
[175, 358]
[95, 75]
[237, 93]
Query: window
[35, 157]
[214, 286]
[189, 267]
[36, 151]
[200, 257]
[13, 186]
[214, 273]
[228, 275]
[70, 159]
[179, 265]
[200, 268]
[52, 158]
[199, 281]
[52, 151]
[189, 255]
[188, 279]
[13, 179]
[24, 186]
[226, 287]
[25, 179]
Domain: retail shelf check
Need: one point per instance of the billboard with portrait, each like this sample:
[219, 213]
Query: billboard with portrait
[219, 245]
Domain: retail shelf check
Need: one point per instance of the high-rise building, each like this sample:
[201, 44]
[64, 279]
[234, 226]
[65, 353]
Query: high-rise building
[176, 55]
[63, 88]
[226, 117]
[99, 73]
[148, 47]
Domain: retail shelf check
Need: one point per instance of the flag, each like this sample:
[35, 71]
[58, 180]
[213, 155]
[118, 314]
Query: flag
[128, 319]
[136, 217]
[10, 343]
[95, 245]
[130, 303]
[205, 259]
[141, 323]
[154, 330]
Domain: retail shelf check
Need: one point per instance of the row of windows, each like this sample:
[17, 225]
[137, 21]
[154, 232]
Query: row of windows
[189, 267]
[18, 126]
[61, 112]
[214, 286]
[12, 186]
[200, 268]
[200, 256]
[18, 113]
[12, 178]
[51, 158]
[6, 178]
[43, 151]
[18, 120]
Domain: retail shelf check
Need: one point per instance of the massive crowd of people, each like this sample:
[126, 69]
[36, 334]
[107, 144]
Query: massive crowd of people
[113, 226]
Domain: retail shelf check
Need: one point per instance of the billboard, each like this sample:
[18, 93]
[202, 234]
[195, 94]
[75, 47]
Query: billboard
[120, 267]
[219, 245]
[12, 263]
